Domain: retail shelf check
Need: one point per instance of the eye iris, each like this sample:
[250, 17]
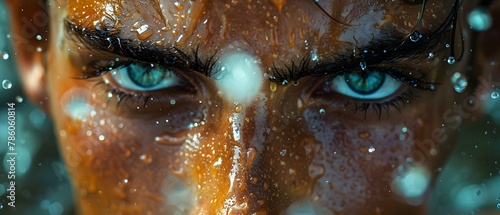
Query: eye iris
[365, 82]
[145, 77]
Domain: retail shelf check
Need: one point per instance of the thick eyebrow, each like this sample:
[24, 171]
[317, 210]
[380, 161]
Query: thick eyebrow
[409, 49]
[109, 41]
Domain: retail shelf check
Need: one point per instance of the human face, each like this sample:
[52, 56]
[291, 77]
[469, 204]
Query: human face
[242, 107]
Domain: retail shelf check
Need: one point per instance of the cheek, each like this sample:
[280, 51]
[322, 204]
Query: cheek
[365, 162]
[114, 156]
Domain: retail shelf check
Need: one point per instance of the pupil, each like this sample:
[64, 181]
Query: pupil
[365, 82]
[144, 76]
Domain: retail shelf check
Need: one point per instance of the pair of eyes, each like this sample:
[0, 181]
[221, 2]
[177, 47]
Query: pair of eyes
[361, 84]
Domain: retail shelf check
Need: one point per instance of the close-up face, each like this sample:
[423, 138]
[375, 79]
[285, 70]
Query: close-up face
[259, 106]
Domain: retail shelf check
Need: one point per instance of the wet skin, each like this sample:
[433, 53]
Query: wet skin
[290, 145]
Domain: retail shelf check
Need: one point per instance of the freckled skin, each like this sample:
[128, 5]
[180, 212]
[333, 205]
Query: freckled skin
[286, 153]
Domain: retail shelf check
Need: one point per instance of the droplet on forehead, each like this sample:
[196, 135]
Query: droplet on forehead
[239, 76]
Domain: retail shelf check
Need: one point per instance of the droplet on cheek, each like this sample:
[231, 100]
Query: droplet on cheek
[180, 197]
[76, 104]
[411, 183]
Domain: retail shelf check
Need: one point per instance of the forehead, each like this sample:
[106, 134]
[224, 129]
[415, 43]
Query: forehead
[272, 25]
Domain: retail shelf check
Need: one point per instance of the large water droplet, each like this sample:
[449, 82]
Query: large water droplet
[4, 55]
[6, 84]
[415, 36]
[495, 95]
[459, 82]
[451, 60]
[479, 19]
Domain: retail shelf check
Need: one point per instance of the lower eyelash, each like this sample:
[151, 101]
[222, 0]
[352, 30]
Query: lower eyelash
[377, 107]
[119, 96]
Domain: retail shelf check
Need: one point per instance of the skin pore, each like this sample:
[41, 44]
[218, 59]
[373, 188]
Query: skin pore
[297, 140]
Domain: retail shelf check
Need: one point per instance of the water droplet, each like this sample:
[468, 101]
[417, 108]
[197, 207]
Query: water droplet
[284, 82]
[322, 111]
[39, 49]
[125, 181]
[498, 205]
[101, 137]
[431, 55]
[404, 129]
[362, 64]
[144, 32]
[6, 84]
[19, 99]
[4, 55]
[178, 5]
[371, 149]
[495, 95]
[415, 36]
[451, 60]
[146, 158]
[238, 108]
[314, 55]
[283, 152]
[479, 19]
[172, 101]
[459, 82]
[273, 86]
[39, 37]
[316, 171]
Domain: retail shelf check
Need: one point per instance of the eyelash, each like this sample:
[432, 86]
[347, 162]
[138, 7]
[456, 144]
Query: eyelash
[120, 95]
[402, 99]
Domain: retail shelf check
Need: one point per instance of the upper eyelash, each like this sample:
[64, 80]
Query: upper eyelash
[198, 64]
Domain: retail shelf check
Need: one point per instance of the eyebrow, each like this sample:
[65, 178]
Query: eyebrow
[377, 51]
[108, 41]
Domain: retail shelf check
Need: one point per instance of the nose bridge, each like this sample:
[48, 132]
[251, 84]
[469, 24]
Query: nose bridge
[219, 168]
[222, 162]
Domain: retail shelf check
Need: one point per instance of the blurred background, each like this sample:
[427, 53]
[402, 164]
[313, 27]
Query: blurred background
[469, 183]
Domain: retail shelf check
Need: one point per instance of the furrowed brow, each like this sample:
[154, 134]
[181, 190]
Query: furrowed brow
[109, 41]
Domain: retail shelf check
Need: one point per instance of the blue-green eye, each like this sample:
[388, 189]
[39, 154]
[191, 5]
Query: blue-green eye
[140, 77]
[367, 85]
